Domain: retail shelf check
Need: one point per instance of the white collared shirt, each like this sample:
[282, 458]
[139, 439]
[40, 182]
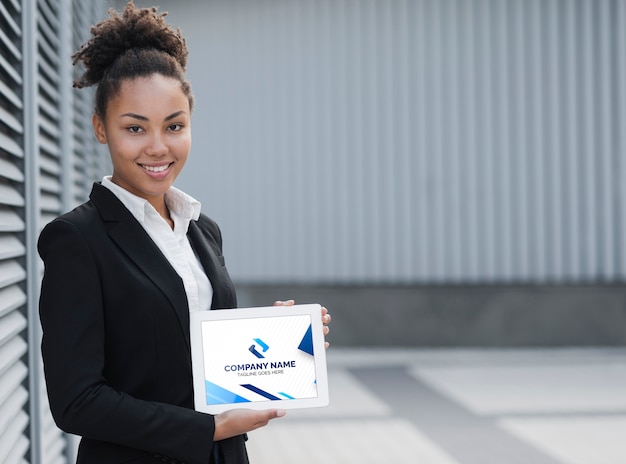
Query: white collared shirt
[174, 244]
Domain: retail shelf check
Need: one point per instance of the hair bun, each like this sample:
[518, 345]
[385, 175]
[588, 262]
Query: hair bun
[135, 28]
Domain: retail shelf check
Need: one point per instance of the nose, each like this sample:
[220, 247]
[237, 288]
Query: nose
[156, 145]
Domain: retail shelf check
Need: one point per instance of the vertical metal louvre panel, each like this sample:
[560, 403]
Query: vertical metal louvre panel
[49, 47]
[81, 106]
[413, 140]
[65, 168]
[88, 160]
[14, 442]
[35, 67]
[52, 184]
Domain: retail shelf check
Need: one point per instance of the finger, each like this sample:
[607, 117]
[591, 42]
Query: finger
[284, 303]
[326, 330]
[272, 414]
[264, 417]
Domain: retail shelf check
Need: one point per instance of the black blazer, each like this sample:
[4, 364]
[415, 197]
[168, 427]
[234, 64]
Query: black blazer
[116, 347]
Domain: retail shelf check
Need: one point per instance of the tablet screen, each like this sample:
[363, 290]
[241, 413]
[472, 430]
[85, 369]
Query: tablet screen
[259, 358]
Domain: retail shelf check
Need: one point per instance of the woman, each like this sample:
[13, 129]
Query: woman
[123, 270]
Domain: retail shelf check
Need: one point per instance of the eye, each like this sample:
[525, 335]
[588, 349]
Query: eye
[175, 127]
[134, 129]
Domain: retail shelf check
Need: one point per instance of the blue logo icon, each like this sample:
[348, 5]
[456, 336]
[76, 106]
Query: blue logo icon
[263, 346]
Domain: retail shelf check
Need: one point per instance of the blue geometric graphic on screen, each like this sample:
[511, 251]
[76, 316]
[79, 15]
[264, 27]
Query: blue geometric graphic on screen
[253, 350]
[218, 395]
[263, 346]
[289, 397]
[306, 344]
[263, 393]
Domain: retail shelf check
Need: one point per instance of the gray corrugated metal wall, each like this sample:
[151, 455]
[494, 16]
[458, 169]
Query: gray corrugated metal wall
[416, 141]
[13, 322]
[37, 122]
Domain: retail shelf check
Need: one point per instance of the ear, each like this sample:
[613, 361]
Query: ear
[99, 129]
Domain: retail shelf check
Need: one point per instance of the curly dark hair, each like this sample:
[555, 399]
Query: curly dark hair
[137, 43]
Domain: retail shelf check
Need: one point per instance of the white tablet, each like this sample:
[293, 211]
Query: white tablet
[259, 358]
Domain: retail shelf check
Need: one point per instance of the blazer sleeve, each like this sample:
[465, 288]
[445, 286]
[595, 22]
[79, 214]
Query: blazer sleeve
[72, 317]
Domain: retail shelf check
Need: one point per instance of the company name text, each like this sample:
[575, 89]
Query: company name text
[259, 366]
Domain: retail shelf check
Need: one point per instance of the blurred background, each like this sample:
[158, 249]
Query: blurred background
[446, 176]
[439, 172]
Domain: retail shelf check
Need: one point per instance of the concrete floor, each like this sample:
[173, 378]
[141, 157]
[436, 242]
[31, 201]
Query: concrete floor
[459, 406]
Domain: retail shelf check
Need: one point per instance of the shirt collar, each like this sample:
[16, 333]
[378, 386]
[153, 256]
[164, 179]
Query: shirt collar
[182, 207]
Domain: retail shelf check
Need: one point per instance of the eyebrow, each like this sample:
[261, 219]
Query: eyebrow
[143, 118]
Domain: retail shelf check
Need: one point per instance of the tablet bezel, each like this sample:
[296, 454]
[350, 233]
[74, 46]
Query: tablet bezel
[319, 356]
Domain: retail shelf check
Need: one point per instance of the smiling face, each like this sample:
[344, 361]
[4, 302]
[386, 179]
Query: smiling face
[147, 127]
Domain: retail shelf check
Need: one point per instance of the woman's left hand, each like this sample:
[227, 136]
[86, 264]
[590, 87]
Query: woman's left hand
[325, 316]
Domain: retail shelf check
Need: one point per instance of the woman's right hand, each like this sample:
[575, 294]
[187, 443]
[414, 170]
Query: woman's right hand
[239, 421]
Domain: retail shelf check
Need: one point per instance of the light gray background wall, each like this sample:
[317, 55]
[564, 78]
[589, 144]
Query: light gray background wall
[437, 172]
[411, 141]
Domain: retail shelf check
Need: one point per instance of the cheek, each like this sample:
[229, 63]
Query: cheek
[182, 161]
[121, 149]
[183, 149]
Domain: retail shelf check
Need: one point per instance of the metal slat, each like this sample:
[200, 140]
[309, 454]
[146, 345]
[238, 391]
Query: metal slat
[49, 13]
[50, 184]
[50, 81]
[16, 5]
[11, 298]
[10, 196]
[49, 146]
[11, 121]
[9, 145]
[8, 43]
[10, 20]
[10, 95]
[10, 247]
[10, 221]
[11, 406]
[10, 273]
[12, 371]
[49, 123]
[50, 204]
[48, 38]
[13, 443]
[11, 325]
[10, 70]
[49, 104]
[49, 166]
[10, 171]
[20, 449]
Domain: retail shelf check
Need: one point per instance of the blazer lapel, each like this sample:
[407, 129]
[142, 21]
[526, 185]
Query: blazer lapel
[214, 268]
[128, 234]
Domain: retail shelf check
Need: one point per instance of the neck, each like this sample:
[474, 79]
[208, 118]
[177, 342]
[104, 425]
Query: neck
[161, 208]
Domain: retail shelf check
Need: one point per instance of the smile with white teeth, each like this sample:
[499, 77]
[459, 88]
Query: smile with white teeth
[155, 168]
